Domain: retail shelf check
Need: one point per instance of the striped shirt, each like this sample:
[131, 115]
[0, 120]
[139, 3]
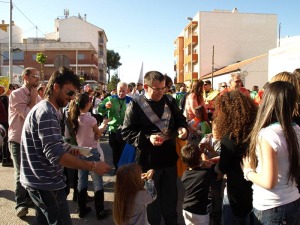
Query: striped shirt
[41, 148]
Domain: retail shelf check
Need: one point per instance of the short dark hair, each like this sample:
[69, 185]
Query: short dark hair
[190, 155]
[207, 82]
[152, 76]
[61, 77]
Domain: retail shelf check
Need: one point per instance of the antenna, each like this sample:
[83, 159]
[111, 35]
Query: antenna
[66, 13]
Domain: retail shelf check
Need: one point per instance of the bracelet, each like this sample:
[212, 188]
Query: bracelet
[93, 167]
[246, 172]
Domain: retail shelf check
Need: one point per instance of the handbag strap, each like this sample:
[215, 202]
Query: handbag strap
[162, 123]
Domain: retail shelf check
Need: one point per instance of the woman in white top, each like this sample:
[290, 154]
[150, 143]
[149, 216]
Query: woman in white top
[273, 162]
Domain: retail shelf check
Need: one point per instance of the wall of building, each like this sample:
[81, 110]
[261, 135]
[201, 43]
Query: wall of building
[285, 58]
[78, 30]
[235, 37]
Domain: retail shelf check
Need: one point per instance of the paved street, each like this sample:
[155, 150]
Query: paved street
[7, 204]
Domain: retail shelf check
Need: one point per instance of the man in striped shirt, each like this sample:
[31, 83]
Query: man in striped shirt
[44, 154]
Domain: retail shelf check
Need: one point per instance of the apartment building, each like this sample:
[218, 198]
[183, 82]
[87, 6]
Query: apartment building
[75, 43]
[220, 38]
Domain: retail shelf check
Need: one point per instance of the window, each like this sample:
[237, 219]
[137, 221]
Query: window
[80, 56]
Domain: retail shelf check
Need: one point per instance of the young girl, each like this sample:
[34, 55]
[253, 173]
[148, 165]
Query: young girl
[131, 197]
[198, 127]
[87, 133]
[273, 164]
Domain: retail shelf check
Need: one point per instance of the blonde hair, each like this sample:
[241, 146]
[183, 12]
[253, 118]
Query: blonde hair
[291, 78]
[128, 184]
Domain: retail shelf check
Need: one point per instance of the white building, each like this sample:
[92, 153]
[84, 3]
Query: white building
[77, 29]
[286, 57]
[235, 37]
[253, 72]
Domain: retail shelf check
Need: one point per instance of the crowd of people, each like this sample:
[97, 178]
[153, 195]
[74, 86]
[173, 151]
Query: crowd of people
[235, 151]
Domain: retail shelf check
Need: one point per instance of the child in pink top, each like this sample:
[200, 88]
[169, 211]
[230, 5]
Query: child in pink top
[87, 133]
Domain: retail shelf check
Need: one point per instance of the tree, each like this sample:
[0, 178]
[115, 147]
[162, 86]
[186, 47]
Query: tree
[112, 84]
[41, 59]
[113, 61]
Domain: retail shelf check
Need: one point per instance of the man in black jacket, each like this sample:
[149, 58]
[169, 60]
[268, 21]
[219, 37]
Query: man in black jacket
[152, 123]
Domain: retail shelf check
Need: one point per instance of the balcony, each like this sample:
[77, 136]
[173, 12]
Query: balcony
[187, 59]
[191, 39]
[189, 76]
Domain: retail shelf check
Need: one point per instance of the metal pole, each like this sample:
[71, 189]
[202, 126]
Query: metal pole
[10, 70]
[192, 50]
[212, 67]
[77, 63]
[279, 30]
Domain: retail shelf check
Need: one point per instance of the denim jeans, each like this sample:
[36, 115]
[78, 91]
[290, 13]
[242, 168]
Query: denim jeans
[229, 218]
[285, 214]
[83, 175]
[20, 192]
[51, 207]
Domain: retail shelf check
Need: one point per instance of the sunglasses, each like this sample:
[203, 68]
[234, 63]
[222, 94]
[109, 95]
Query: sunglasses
[224, 86]
[71, 93]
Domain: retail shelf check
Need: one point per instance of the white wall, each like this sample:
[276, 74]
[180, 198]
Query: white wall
[17, 35]
[286, 58]
[254, 73]
[235, 36]
[78, 30]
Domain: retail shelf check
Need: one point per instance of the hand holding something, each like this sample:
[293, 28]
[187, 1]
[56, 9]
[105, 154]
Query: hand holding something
[148, 175]
[156, 139]
[101, 168]
[108, 105]
[182, 133]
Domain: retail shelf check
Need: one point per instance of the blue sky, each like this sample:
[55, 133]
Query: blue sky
[142, 30]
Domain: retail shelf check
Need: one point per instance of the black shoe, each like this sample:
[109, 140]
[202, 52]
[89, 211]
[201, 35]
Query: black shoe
[104, 214]
[83, 212]
[7, 164]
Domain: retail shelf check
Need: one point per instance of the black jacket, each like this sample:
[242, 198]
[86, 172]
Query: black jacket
[137, 129]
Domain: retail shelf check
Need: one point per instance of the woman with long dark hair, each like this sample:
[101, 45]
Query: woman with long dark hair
[273, 162]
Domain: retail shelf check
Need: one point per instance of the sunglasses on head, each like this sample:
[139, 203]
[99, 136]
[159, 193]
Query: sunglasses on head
[70, 93]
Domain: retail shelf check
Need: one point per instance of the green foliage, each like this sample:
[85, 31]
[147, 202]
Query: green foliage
[41, 58]
[112, 84]
[113, 61]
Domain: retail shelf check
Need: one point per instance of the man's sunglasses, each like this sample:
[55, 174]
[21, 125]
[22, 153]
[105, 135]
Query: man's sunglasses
[71, 93]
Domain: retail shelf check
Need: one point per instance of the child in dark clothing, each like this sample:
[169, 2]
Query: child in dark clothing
[196, 181]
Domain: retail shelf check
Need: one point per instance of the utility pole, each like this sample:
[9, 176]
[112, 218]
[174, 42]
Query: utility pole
[279, 30]
[213, 66]
[10, 52]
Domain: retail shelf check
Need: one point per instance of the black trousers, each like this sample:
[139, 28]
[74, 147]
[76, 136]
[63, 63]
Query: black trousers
[117, 147]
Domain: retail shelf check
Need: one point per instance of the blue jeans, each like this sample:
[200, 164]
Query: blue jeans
[229, 218]
[51, 207]
[285, 214]
[165, 181]
[83, 175]
[20, 192]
